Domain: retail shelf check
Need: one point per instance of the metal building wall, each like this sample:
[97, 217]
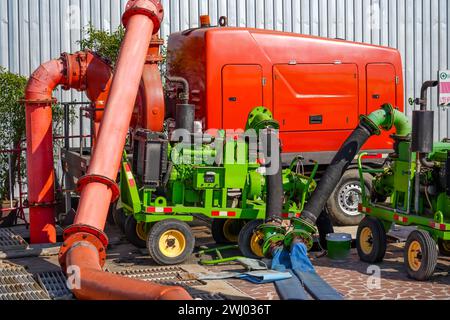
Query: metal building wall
[33, 31]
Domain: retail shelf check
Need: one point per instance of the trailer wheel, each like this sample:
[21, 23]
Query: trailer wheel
[444, 247]
[226, 230]
[136, 232]
[343, 202]
[119, 217]
[371, 240]
[420, 255]
[170, 242]
[251, 242]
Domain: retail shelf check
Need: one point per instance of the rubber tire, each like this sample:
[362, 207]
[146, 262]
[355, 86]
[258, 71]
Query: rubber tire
[153, 241]
[119, 217]
[130, 233]
[218, 235]
[444, 250]
[429, 255]
[339, 217]
[245, 236]
[379, 244]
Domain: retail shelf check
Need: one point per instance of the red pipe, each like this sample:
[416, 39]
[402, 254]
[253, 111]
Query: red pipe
[72, 72]
[98, 285]
[41, 195]
[85, 241]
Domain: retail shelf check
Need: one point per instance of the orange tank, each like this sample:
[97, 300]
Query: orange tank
[317, 88]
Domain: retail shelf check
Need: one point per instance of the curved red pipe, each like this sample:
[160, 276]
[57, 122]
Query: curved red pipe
[41, 194]
[97, 285]
[85, 242]
[72, 71]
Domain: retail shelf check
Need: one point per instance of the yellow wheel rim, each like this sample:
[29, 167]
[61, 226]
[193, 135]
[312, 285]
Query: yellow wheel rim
[366, 240]
[255, 244]
[172, 243]
[415, 256]
[141, 230]
[231, 229]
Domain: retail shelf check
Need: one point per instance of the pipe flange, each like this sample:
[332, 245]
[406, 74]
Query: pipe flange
[93, 178]
[71, 243]
[370, 125]
[151, 8]
[82, 228]
[39, 102]
[390, 118]
[42, 204]
[75, 69]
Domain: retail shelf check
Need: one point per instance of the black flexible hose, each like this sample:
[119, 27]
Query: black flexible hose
[275, 193]
[334, 172]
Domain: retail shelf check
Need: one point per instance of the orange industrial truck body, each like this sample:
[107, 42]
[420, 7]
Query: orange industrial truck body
[316, 88]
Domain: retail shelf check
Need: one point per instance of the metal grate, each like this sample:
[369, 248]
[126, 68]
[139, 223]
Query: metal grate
[17, 284]
[163, 275]
[208, 296]
[55, 285]
[9, 240]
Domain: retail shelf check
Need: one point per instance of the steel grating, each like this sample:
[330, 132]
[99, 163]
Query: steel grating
[208, 296]
[17, 284]
[55, 285]
[9, 240]
[163, 275]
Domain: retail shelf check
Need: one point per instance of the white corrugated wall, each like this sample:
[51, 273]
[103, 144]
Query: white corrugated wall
[33, 31]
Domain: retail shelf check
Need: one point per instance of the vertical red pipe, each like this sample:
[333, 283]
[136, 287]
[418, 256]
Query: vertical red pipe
[41, 176]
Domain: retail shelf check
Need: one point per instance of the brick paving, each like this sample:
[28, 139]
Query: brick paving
[352, 279]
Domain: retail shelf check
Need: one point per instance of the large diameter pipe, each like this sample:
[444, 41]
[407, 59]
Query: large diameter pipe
[98, 285]
[72, 71]
[41, 193]
[85, 242]
[116, 120]
[383, 119]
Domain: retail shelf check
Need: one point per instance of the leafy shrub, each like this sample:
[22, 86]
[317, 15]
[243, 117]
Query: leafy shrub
[105, 44]
[12, 123]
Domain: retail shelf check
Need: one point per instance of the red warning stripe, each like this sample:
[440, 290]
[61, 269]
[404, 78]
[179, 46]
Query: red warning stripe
[223, 214]
[438, 226]
[364, 209]
[159, 210]
[400, 218]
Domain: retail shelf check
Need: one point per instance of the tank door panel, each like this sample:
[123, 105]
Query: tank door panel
[381, 86]
[316, 97]
[242, 91]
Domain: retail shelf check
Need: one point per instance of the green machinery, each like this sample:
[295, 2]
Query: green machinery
[412, 190]
[168, 183]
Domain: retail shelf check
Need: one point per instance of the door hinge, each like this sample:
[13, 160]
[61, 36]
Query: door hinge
[397, 80]
[264, 81]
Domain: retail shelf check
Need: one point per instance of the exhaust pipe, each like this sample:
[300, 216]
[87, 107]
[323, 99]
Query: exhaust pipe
[384, 119]
[85, 242]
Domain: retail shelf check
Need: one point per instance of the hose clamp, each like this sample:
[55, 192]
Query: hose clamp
[93, 178]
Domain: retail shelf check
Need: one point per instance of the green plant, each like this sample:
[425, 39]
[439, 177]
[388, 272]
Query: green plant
[105, 44]
[12, 124]
[12, 127]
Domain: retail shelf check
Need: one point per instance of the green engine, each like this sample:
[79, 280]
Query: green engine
[221, 176]
[414, 187]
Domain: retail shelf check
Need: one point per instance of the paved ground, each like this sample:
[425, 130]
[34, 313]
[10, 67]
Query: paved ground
[350, 278]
